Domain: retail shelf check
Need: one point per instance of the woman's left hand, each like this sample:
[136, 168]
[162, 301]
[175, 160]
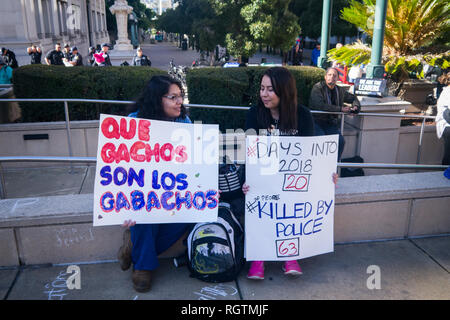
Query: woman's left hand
[335, 177]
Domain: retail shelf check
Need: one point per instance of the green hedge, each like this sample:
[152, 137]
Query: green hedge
[215, 86]
[238, 87]
[112, 83]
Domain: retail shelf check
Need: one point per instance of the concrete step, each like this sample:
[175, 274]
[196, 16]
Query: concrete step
[58, 229]
[407, 269]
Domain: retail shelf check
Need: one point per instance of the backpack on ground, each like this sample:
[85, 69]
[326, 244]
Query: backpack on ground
[216, 249]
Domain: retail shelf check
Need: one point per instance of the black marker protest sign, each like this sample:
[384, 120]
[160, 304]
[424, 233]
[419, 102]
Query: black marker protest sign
[289, 210]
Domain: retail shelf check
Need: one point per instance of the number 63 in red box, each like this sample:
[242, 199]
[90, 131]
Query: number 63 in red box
[288, 247]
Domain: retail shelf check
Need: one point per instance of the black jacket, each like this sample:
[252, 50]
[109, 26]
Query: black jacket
[55, 57]
[107, 61]
[35, 57]
[10, 59]
[78, 59]
[142, 61]
[320, 100]
[305, 122]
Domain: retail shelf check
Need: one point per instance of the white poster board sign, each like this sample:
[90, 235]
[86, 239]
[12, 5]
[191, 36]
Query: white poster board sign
[289, 209]
[154, 171]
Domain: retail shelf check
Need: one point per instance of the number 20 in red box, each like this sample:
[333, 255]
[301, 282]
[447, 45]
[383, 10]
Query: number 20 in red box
[288, 247]
[296, 182]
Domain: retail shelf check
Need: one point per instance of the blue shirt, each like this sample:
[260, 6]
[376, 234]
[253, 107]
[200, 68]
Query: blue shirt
[6, 74]
[314, 56]
[179, 119]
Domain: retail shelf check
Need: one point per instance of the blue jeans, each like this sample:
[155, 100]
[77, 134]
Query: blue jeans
[150, 240]
[325, 128]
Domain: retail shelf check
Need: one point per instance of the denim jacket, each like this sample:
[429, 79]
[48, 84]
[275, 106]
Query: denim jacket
[179, 119]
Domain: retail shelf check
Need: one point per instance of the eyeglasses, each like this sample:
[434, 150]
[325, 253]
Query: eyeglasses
[174, 97]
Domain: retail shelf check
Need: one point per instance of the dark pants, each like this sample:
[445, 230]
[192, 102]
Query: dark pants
[323, 128]
[150, 240]
[446, 137]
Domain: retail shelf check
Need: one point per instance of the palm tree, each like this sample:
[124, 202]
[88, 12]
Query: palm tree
[411, 26]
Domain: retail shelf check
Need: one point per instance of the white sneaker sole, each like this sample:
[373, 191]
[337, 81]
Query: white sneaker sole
[255, 277]
[293, 273]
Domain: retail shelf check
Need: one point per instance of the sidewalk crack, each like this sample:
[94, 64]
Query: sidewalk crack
[429, 255]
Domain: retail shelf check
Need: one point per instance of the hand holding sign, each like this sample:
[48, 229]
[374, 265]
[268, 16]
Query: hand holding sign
[290, 217]
[145, 175]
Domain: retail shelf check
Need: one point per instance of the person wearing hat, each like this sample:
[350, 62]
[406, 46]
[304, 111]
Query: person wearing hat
[141, 59]
[76, 59]
[67, 54]
[6, 72]
[55, 57]
[9, 58]
[105, 60]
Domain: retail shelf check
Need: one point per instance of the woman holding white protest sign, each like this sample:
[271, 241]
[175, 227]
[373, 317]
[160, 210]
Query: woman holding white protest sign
[278, 113]
[162, 99]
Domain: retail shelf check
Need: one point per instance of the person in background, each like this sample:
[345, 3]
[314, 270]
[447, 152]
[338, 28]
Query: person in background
[104, 60]
[443, 116]
[67, 54]
[278, 112]
[335, 63]
[297, 54]
[35, 53]
[91, 59]
[141, 59]
[161, 99]
[76, 59]
[55, 57]
[315, 54]
[328, 96]
[6, 72]
[9, 58]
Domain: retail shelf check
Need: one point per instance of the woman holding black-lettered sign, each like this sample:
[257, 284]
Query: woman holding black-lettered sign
[278, 113]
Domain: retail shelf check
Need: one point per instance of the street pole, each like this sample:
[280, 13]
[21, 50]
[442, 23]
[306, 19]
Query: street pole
[375, 69]
[325, 35]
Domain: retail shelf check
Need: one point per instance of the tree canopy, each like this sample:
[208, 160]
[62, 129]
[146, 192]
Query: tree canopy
[241, 25]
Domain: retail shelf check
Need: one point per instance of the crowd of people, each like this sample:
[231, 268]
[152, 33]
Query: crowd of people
[70, 56]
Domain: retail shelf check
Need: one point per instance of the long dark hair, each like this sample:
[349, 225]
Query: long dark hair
[149, 104]
[283, 83]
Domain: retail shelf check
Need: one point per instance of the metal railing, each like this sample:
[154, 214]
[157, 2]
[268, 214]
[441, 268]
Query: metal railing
[72, 159]
[69, 138]
[93, 160]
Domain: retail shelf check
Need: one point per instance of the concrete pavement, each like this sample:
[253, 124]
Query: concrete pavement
[161, 53]
[407, 269]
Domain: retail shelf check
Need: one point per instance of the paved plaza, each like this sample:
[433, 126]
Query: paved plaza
[408, 268]
[161, 53]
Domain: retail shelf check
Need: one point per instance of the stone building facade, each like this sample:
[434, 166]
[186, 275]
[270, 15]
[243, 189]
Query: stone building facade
[80, 23]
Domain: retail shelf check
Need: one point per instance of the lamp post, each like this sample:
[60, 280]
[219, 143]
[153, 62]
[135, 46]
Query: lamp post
[375, 69]
[325, 35]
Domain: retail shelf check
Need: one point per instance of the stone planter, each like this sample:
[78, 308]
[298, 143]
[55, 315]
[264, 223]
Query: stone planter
[415, 91]
[9, 111]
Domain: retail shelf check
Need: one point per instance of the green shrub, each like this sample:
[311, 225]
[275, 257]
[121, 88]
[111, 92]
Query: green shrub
[52, 82]
[238, 87]
[213, 86]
